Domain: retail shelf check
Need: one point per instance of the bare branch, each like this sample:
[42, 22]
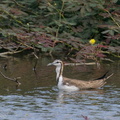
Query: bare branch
[11, 79]
[9, 53]
[35, 55]
[72, 64]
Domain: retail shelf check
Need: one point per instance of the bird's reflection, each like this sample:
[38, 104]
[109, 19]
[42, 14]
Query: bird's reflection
[63, 95]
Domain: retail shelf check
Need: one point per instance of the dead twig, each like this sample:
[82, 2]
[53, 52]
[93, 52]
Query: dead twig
[34, 53]
[34, 68]
[85, 117]
[11, 79]
[72, 64]
[9, 53]
[5, 66]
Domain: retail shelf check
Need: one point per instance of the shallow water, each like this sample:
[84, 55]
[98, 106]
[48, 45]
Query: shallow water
[38, 97]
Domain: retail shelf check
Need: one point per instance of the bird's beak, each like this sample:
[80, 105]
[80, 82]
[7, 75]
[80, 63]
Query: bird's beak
[49, 64]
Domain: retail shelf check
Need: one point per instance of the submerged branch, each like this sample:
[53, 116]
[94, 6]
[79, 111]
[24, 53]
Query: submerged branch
[85, 117]
[35, 55]
[11, 79]
[34, 68]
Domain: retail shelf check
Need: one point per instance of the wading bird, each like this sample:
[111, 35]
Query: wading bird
[74, 84]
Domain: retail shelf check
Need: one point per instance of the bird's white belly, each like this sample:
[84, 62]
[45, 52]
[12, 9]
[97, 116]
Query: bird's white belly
[61, 86]
[68, 88]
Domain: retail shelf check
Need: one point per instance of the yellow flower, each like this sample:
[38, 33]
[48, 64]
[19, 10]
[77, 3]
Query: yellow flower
[92, 41]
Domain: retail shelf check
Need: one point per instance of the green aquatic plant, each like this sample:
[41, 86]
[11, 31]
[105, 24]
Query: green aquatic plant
[45, 24]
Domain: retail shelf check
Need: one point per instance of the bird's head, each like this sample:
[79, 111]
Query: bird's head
[56, 63]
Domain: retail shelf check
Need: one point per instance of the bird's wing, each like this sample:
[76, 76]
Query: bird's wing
[84, 84]
[91, 84]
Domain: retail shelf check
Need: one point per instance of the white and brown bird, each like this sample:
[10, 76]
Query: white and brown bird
[74, 84]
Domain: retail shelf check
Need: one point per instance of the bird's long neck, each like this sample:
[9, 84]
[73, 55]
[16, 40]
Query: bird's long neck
[59, 71]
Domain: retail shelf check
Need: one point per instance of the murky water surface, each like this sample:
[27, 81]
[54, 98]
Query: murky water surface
[38, 98]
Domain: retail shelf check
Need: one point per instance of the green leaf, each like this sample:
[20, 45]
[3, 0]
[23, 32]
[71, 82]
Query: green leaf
[69, 23]
[114, 1]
